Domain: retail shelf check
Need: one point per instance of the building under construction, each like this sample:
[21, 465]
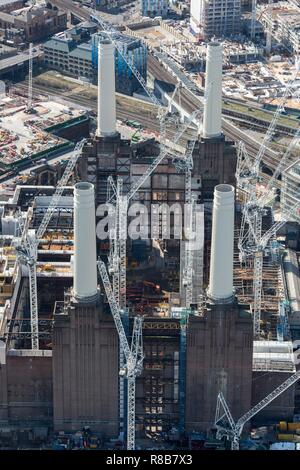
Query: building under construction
[60, 369]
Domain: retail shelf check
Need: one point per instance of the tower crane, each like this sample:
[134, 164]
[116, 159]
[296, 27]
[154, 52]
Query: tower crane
[118, 235]
[133, 353]
[268, 195]
[250, 173]
[253, 19]
[188, 165]
[190, 203]
[225, 423]
[27, 249]
[29, 104]
[253, 210]
[118, 258]
[257, 248]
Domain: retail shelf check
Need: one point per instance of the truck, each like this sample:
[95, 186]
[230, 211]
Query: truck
[134, 124]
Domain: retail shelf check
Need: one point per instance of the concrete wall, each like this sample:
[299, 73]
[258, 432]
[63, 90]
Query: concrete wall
[26, 390]
[219, 358]
[102, 157]
[215, 163]
[75, 132]
[85, 370]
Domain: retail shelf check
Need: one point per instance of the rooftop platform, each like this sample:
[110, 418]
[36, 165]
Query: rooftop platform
[27, 134]
[273, 356]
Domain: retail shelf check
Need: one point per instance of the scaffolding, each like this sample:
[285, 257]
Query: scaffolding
[272, 286]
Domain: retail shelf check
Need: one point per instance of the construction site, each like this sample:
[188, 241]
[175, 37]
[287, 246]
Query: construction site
[172, 330]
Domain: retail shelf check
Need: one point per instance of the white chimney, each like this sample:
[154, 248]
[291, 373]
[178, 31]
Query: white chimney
[221, 259]
[85, 269]
[106, 89]
[212, 118]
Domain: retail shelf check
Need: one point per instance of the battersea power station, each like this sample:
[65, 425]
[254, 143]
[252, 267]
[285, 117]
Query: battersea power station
[132, 338]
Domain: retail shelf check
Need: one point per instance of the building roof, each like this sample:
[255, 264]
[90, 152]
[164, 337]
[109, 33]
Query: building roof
[7, 17]
[276, 356]
[7, 2]
[62, 45]
[88, 24]
[123, 39]
[83, 51]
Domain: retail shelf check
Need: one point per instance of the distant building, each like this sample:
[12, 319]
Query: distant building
[62, 54]
[154, 8]
[135, 50]
[285, 23]
[10, 5]
[75, 53]
[215, 18]
[31, 24]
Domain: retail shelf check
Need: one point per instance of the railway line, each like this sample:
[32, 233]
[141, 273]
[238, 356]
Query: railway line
[247, 112]
[161, 71]
[126, 110]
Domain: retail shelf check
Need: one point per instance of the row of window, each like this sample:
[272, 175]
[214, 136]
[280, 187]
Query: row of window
[65, 64]
[64, 56]
[72, 69]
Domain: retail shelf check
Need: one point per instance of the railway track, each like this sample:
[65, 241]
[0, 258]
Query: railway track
[124, 108]
[125, 111]
[189, 101]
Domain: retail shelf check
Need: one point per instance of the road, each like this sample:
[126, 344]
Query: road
[70, 6]
[17, 60]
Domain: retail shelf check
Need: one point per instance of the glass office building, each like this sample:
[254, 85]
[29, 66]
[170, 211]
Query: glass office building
[134, 50]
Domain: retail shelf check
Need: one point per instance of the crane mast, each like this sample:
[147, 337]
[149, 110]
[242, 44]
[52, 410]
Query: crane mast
[251, 242]
[27, 250]
[118, 253]
[26, 253]
[189, 205]
[133, 354]
[29, 104]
